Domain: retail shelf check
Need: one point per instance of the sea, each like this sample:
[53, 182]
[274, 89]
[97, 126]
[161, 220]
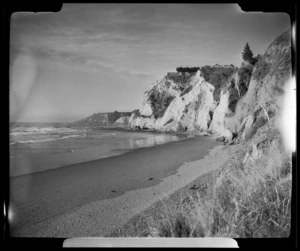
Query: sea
[36, 147]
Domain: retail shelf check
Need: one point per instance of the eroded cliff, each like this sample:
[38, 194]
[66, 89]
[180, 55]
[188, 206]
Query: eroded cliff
[225, 100]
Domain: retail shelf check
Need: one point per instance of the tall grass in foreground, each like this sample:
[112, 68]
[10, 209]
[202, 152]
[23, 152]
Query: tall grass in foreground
[250, 199]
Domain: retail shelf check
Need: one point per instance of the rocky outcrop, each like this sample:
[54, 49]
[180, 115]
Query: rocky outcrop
[102, 119]
[179, 102]
[223, 100]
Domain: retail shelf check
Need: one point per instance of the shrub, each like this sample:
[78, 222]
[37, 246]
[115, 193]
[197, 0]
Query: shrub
[159, 103]
[136, 112]
[233, 98]
[187, 69]
[154, 98]
[178, 78]
[158, 113]
[258, 57]
[180, 226]
[244, 76]
[217, 76]
[262, 69]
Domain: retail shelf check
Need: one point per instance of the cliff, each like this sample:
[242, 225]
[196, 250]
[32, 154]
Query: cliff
[103, 119]
[251, 193]
[227, 101]
[179, 102]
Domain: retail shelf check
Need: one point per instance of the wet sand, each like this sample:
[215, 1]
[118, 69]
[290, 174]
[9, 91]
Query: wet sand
[27, 159]
[44, 204]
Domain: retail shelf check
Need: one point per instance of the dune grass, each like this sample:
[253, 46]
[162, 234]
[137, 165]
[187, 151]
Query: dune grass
[251, 198]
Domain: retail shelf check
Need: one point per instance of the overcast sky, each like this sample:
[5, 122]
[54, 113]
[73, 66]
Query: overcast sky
[103, 57]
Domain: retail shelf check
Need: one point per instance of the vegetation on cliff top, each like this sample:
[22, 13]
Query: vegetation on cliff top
[244, 76]
[187, 69]
[181, 79]
[218, 76]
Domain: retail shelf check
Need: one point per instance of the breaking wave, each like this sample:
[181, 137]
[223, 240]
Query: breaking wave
[46, 139]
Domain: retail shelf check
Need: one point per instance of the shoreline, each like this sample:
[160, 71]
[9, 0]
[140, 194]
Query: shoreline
[29, 163]
[102, 217]
[43, 196]
[153, 131]
[113, 153]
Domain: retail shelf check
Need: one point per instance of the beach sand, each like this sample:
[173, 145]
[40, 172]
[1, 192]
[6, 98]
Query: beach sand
[147, 222]
[97, 198]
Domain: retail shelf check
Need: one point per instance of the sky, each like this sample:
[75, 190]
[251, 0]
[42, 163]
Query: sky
[91, 58]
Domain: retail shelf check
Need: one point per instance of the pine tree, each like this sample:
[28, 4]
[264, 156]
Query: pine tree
[248, 55]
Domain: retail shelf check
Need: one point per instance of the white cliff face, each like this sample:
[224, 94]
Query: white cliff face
[217, 126]
[188, 111]
[249, 97]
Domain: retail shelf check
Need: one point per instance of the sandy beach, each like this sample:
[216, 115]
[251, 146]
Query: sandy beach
[94, 198]
[146, 222]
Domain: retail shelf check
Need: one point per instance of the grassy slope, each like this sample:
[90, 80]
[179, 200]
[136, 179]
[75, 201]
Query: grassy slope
[252, 195]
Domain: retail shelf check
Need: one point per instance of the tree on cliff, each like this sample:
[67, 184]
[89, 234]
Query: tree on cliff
[247, 55]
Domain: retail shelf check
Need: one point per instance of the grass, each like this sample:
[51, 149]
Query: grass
[251, 198]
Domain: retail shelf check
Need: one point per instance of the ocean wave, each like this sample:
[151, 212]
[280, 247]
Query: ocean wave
[109, 134]
[43, 130]
[46, 140]
[103, 135]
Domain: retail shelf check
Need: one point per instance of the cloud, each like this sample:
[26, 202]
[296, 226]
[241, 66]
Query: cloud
[130, 36]
[116, 68]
